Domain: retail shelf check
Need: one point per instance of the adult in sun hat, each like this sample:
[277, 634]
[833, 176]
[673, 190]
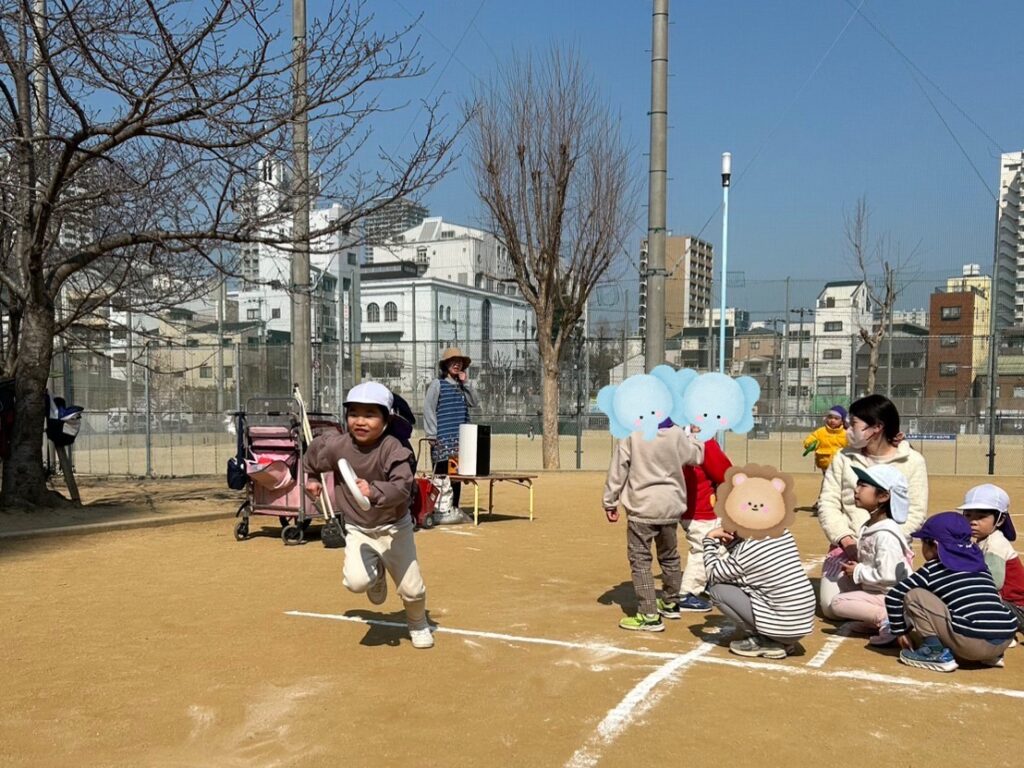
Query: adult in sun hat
[873, 438]
[445, 408]
[950, 602]
[987, 509]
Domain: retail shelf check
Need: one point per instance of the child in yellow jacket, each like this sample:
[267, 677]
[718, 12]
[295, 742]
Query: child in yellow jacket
[828, 440]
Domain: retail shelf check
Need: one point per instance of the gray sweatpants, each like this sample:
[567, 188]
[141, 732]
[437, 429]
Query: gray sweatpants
[639, 537]
[735, 604]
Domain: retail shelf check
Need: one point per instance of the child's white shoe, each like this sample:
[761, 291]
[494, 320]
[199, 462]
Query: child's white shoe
[421, 638]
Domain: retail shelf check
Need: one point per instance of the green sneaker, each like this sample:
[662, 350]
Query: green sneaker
[643, 622]
[670, 610]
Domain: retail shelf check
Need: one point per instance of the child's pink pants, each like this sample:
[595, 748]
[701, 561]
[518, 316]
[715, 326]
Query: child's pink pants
[860, 606]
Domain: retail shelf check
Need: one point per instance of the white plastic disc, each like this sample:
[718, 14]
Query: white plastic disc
[350, 480]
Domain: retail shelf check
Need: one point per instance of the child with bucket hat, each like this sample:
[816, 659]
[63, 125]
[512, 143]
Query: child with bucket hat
[987, 509]
[951, 602]
[883, 555]
[380, 533]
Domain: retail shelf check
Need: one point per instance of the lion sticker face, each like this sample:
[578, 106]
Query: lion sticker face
[755, 502]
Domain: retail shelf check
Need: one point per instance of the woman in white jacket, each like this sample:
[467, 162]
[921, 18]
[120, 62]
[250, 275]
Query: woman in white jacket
[873, 438]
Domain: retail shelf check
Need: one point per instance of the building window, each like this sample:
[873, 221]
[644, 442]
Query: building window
[421, 255]
[353, 259]
[440, 311]
[205, 372]
[947, 369]
[833, 326]
[804, 391]
[119, 333]
[373, 313]
[275, 313]
[229, 371]
[948, 341]
[755, 345]
[252, 314]
[832, 354]
[390, 312]
[448, 314]
[447, 234]
[1018, 392]
[947, 393]
[794, 364]
[951, 313]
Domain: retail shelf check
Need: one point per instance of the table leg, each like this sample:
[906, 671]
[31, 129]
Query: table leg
[531, 501]
[490, 498]
[476, 503]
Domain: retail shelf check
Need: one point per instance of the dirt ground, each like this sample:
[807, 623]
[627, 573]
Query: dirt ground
[175, 646]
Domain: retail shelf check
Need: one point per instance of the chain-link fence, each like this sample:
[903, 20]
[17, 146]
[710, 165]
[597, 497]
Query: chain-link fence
[164, 410]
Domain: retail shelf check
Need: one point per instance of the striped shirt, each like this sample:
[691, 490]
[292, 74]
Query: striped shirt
[975, 609]
[769, 571]
[449, 411]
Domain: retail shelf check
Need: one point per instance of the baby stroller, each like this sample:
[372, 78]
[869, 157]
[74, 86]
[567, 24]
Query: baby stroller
[273, 445]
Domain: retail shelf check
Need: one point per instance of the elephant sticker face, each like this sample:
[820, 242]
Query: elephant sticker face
[756, 501]
[719, 403]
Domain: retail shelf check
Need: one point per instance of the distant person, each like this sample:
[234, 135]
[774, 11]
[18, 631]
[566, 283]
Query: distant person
[950, 602]
[987, 509]
[445, 408]
[873, 438]
[826, 441]
[646, 477]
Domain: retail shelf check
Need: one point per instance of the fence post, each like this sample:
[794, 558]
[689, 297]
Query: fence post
[149, 427]
[238, 376]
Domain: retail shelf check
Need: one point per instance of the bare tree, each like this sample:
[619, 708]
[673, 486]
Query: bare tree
[869, 256]
[132, 133]
[552, 171]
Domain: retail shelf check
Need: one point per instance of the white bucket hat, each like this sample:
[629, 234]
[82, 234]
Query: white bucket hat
[370, 393]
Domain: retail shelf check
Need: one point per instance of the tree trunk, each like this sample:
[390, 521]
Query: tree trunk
[872, 365]
[550, 390]
[24, 478]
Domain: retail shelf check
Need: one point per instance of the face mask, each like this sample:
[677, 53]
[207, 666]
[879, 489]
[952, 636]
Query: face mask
[855, 439]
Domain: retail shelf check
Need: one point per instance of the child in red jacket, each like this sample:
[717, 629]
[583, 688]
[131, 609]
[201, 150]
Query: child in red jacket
[702, 481]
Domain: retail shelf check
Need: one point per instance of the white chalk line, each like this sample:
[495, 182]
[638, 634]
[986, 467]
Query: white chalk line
[830, 647]
[640, 700]
[767, 667]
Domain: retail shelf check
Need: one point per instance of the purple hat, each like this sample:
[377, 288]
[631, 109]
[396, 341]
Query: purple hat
[992, 498]
[952, 534]
[839, 411]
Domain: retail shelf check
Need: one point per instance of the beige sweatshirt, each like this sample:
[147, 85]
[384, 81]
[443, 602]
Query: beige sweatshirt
[386, 466]
[646, 476]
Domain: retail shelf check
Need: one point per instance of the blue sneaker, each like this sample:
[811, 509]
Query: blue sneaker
[930, 657]
[694, 604]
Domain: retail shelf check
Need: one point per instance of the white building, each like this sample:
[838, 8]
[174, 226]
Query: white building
[453, 253]
[408, 320]
[1010, 242]
[917, 317]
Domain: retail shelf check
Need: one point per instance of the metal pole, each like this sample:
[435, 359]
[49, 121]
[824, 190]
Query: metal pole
[149, 418]
[221, 301]
[415, 366]
[302, 368]
[888, 378]
[800, 362]
[654, 347]
[993, 368]
[785, 358]
[129, 371]
[238, 376]
[726, 174]
[339, 366]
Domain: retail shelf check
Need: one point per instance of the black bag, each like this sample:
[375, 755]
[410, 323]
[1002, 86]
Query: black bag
[238, 478]
[332, 535]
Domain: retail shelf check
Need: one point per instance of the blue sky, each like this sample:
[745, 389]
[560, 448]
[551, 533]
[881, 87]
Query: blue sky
[817, 109]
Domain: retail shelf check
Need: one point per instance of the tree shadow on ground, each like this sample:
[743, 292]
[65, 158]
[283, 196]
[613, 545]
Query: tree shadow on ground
[392, 629]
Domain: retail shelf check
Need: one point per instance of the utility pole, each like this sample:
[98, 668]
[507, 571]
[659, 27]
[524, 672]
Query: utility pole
[302, 369]
[339, 366]
[654, 343]
[785, 358]
[993, 367]
[726, 177]
[221, 301]
[888, 377]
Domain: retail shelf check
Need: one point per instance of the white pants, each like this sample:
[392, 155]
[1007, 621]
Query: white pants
[392, 547]
[694, 578]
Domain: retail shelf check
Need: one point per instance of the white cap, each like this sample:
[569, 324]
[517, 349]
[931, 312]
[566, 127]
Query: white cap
[987, 496]
[371, 393]
[891, 480]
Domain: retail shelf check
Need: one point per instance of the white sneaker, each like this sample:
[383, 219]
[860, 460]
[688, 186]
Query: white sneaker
[421, 638]
[378, 591]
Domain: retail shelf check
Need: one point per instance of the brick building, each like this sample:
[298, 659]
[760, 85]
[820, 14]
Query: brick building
[949, 377]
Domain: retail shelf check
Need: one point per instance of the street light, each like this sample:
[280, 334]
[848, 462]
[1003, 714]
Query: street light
[726, 178]
[799, 354]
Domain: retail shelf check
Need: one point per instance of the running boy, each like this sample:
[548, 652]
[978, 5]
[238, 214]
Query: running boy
[646, 477]
[380, 540]
[987, 509]
[950, 601]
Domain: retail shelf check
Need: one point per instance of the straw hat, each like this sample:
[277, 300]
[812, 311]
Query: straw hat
[454, 353]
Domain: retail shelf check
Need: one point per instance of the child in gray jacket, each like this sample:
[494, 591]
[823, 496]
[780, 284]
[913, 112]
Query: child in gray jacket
[646, 477]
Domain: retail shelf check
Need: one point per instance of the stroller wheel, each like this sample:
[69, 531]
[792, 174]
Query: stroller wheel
[292, 534]
[428, 521]
[242, 530]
